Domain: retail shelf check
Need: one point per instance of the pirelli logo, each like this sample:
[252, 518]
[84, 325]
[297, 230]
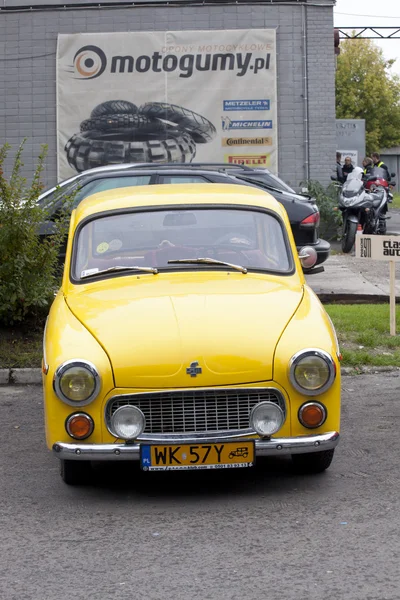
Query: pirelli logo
[247, 141]
[251, 160]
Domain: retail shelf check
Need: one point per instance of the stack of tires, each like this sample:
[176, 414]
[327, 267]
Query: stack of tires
[120, 132]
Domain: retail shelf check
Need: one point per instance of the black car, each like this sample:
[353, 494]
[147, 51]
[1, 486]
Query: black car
[302, 211]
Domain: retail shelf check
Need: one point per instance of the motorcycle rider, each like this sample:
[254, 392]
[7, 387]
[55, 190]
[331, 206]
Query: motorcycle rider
[368, 164]
[379, 163]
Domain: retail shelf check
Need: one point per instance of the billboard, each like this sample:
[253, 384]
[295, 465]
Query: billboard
[157, 97]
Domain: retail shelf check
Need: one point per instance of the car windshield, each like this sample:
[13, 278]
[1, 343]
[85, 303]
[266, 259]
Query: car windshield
[151, 239]
[82, 188]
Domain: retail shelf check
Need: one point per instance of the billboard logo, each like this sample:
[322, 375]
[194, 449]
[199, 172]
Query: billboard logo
[246, 105]
[89, 62]
[247, 141]
[250, 160]
[228, 124]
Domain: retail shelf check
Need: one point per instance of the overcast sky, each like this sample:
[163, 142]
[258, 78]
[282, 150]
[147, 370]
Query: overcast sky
[361, 13]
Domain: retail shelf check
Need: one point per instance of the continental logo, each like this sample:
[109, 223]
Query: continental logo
[251, 160]
[90, 62]
[247, 141]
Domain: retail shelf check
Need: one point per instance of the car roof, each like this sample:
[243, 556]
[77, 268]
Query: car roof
[131, 169]
[176, 194]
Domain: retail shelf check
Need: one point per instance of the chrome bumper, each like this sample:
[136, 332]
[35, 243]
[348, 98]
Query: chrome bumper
[272, 447]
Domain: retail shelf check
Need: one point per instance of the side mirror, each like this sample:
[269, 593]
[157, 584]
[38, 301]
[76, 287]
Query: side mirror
[392, 174]
[308, 257]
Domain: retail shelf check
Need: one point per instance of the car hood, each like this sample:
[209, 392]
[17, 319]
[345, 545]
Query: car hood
[153, 329]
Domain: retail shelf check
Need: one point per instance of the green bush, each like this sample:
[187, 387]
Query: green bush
[29, 265]
[327, 201]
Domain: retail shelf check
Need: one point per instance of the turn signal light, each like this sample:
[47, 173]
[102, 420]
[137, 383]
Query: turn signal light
[79, 426]
[312, 414]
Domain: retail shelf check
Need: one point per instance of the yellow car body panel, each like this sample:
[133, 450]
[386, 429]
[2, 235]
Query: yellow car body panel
[142, 331]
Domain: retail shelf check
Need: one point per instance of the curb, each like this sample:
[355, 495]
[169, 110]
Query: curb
[337, 298]
[29, 376]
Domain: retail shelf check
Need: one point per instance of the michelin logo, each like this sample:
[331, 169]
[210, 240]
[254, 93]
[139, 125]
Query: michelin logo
[247, 105]
[228, 124]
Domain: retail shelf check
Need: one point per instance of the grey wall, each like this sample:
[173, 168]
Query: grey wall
[28, 72]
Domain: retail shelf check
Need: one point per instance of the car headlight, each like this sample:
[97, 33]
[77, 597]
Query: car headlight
[128, 422]
[266, 418]
[312, 371]
[77, 382]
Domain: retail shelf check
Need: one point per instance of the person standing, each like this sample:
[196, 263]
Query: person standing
[347, 167]
[379, 163]
[339, 169]
[367, 164]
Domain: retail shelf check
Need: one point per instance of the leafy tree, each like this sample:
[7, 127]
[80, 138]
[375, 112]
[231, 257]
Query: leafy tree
[29, 265]
[366, 89]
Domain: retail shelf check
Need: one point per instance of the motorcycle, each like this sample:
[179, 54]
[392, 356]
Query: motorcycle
[364, 205]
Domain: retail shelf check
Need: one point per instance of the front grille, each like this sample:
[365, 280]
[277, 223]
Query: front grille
[190, 411]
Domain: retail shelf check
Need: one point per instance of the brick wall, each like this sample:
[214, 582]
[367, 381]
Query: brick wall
[28, 72]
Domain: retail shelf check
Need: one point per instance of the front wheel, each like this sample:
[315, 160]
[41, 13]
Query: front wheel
[349, 235]
[75, 472]
[313, 462]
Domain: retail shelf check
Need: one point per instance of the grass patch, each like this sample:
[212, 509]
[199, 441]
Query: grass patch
[21, 347]
[363, 332]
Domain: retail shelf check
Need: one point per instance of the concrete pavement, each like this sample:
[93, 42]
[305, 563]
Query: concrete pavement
[235, 535]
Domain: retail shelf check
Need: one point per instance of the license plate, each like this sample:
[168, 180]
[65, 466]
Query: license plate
[197, 456]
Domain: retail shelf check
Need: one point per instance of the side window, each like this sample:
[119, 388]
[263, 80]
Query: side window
[182, 179]
[110, 183]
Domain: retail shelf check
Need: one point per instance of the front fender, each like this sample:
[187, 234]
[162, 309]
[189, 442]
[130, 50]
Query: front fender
[310, 327]
[67, 339]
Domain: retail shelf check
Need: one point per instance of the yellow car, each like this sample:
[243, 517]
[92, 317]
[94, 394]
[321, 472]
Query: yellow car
[184, 336]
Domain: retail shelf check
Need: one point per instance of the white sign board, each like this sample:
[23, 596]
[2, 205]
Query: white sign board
[353, 154]
[174, 96]
[384, 248]
[378, 247]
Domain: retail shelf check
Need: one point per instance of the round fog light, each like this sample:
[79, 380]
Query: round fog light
[128, 422]
[312, 414]
[79, 426]
[266, 418]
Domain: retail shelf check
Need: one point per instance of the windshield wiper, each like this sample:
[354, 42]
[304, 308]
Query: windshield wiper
[207, 261]
[121, 268]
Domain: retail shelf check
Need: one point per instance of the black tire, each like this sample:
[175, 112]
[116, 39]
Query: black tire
[75, 472]
[121, 123]
[349, 235]
[382, 227]
[200, 128]
[111, 107]
[85, 153]
[313, 462]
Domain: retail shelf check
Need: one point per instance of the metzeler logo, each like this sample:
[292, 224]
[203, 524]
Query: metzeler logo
[89, 62]
[239, 105]
[248, 159]
[246, 141]
[227, 124]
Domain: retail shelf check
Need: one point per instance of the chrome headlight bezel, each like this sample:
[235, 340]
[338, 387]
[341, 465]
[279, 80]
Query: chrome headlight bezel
[327, 358]
[63, 368]
[113, 430]
[268, 404]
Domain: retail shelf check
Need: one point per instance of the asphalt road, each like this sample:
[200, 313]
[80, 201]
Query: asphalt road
[225, 535]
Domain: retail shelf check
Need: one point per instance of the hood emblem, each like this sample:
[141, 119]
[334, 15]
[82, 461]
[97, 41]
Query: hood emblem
[194, 369]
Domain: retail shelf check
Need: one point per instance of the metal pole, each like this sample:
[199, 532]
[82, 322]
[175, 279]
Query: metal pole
[392, 267]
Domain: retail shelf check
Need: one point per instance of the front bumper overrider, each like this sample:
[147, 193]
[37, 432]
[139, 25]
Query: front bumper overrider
[263, 447]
